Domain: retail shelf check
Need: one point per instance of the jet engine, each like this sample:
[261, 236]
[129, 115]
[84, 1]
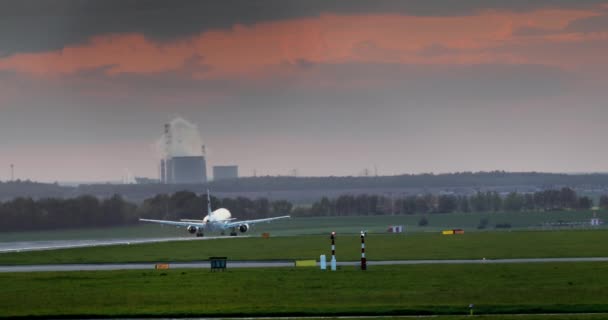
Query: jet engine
[243, 228]
[192, 229]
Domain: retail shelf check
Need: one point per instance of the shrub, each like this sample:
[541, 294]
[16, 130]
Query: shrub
[423, 222]
[483, 223]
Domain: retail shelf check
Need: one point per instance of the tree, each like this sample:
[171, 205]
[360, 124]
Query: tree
[186, 205]
[514, 202]
[421, 205]
[262, 208]
[604, 202]
[345, 205]
[115, 211]
[157, 207]
[495, 201]
[423, 222]
[463, 204]
[446, 204]
[479, 202]
[529, 204]
[567, 198]
[281, 207]
[408, 205]
[323, 207]
[483, 223]
[585, 203]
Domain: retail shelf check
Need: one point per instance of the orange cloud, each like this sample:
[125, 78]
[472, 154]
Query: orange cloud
[250, 50]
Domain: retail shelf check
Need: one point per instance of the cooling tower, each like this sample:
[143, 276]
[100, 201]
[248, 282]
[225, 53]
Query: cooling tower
[182, 153]
[186, 170]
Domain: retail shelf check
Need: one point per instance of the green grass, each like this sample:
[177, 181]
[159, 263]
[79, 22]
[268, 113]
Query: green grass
[510, 317]
[418, 246]
[324, 225]
[430, 289]
[127, 232]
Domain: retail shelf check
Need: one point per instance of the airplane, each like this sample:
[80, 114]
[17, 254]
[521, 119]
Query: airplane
[218, 220]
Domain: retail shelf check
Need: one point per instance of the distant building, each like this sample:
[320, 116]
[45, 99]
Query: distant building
[225, 172]
[184, 170]
[183, 161]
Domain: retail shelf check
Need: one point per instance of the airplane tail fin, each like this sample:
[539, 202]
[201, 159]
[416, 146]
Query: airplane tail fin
[208, 204]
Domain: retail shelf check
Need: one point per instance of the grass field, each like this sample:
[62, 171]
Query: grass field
[525, 317]
[416, 246]
[430, 289]
[393, 290]
[507, 317]
[129, 232]
[324, 225]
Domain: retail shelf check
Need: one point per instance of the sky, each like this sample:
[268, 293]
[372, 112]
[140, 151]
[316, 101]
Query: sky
[319, 87]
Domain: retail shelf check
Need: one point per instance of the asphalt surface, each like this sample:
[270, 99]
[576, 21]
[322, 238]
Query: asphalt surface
[67, 244]
[271, 264]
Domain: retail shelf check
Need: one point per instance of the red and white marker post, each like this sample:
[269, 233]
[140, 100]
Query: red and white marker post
[333, 251]
[363, 260]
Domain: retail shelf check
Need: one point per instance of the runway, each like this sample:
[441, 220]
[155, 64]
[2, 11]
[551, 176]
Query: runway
[21, 246]
[271, 264]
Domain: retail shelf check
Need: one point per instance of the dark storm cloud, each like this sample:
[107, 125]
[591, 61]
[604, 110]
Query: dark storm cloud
[281, 106]
[33, 25]
[304, 106]
[326, 86]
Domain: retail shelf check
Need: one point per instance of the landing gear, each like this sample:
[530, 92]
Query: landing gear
[233, 232]
[199, 235]
[223, 233]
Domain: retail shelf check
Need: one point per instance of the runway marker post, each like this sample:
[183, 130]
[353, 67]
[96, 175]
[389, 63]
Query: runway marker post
[363, 260]
[333, 251]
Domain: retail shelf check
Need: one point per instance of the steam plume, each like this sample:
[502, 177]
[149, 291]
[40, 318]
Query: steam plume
[182, 140]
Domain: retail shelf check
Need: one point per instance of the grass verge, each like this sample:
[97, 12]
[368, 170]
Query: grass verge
[390, 290]
[477, 245]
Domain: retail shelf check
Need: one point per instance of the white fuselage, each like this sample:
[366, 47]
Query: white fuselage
[216, 219]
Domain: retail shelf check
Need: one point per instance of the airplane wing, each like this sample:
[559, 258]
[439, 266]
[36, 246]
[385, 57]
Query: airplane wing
[174, 223]
[252, 222]
[191, 220]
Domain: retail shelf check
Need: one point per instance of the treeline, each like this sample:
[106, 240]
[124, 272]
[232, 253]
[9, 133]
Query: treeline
[26, 188]
[548, 200]
[309, 185]
[424, 180]
[188, 205]
[23, 214]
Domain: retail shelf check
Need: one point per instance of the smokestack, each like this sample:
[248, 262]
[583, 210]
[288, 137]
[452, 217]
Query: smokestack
[167, 139]
[166, 163]
[163, 177]
[181, 150]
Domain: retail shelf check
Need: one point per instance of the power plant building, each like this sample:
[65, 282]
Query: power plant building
[184, 170]
[184, 161]
[225, 172]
